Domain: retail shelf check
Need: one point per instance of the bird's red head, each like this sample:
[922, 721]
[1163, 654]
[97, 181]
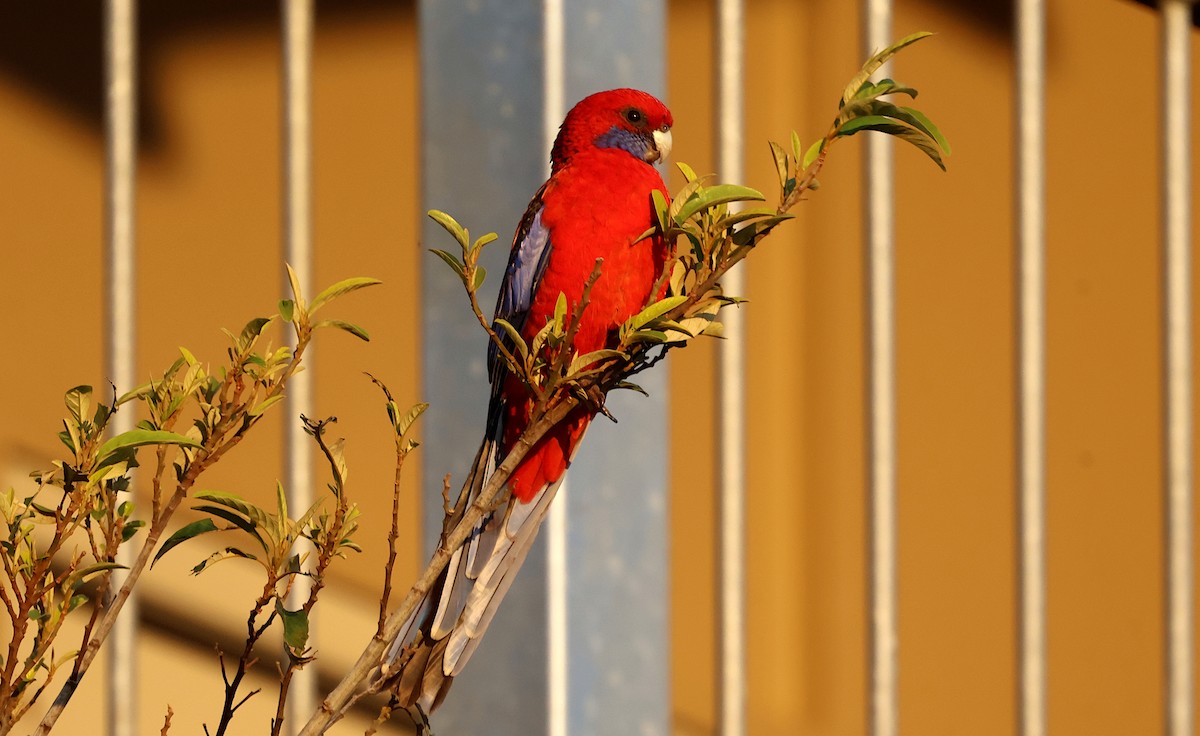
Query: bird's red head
[624, 119]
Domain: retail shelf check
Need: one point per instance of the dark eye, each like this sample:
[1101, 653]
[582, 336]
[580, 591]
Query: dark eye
[635, 116]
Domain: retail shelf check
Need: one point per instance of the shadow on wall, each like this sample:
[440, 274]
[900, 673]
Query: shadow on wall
[56, 50]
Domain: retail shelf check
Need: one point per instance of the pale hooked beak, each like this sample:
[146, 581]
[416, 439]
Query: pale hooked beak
[662, 146]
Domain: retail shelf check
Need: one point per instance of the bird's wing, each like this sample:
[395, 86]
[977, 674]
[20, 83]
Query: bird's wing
[526, 265]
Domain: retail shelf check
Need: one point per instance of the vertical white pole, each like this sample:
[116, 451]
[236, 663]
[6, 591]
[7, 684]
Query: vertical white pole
[557, 564]
[881, 307]
[1177, 231]
[297, 125]
[731, 398]
[120, 329]
[1031, 198]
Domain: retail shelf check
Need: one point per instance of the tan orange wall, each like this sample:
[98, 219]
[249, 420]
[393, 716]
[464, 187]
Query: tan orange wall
[209, 204]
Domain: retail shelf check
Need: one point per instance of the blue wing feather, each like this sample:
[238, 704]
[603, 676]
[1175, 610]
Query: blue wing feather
[526, 266]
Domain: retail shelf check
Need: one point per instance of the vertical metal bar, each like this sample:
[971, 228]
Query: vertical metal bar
[880, 216]
[731, 393]
[120, 36]
[1031, 197]
[557, 560]
[1176, 224]
[482, 159]
[297, 125]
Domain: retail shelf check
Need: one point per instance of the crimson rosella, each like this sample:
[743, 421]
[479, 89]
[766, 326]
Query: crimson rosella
[596, 204]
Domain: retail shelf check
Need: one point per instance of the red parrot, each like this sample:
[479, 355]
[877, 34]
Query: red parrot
[595, 204]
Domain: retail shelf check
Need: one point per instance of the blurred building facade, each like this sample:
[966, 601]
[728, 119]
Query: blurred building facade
[209, 218]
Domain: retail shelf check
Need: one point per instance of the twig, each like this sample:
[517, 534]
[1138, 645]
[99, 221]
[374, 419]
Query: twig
[167, 721]
[335, 704]
[225, 436]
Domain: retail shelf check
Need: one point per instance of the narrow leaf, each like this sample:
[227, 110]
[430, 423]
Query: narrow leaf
[287, 309]
[585, 360]
[79, 577]
[876, 61]
[265, 404]
[781, 162]
[891, 127]
[688, 174]
[353, 329]
[450, 225]
[514, 336]
[661, 209]
[452, 262]
[342, 287]
[252, 330]
[654, 311]
[720, 194]
[240, 522]
[405, 422]
[294, 281]
[813, 151]
[139, 437]
[195, 529]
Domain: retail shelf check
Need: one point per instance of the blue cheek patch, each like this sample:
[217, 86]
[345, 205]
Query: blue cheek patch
[631, 143]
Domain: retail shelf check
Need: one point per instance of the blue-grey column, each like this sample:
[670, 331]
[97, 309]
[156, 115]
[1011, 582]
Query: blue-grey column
[489, 72]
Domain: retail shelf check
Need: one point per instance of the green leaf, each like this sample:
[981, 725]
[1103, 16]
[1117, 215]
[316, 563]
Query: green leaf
[515, 336]
[560, 310]
[405, 422]
[451, 261]
[876, 61]
[79, 577]
[260, 517]
[654, 311]
[484, 240]
[587, 359]
[265, 404]
[647, 233]
[140, 437]
[689, 175]
[796, 147]
[450, 225]
[480, 275]
[195, 529]
[661, 209]
[884, 87]
[813, 151]
[889, 126]
[287, 309]
[224, 554]
[720, 194]
[131, 528]
[917, 119]
[781, 163]
[632, 387]
[750, 213]
[79, 403]
[685, 194]
[651, 336]
[353, 329]
[295, 627]
[252, 330]
[342, 287]
[756, 230]
[294, 281]
[240, 522]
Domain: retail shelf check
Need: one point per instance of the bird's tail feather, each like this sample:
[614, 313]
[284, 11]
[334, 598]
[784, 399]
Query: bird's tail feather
[439, 638]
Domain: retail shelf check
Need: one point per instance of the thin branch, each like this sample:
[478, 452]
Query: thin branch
[335, 704]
